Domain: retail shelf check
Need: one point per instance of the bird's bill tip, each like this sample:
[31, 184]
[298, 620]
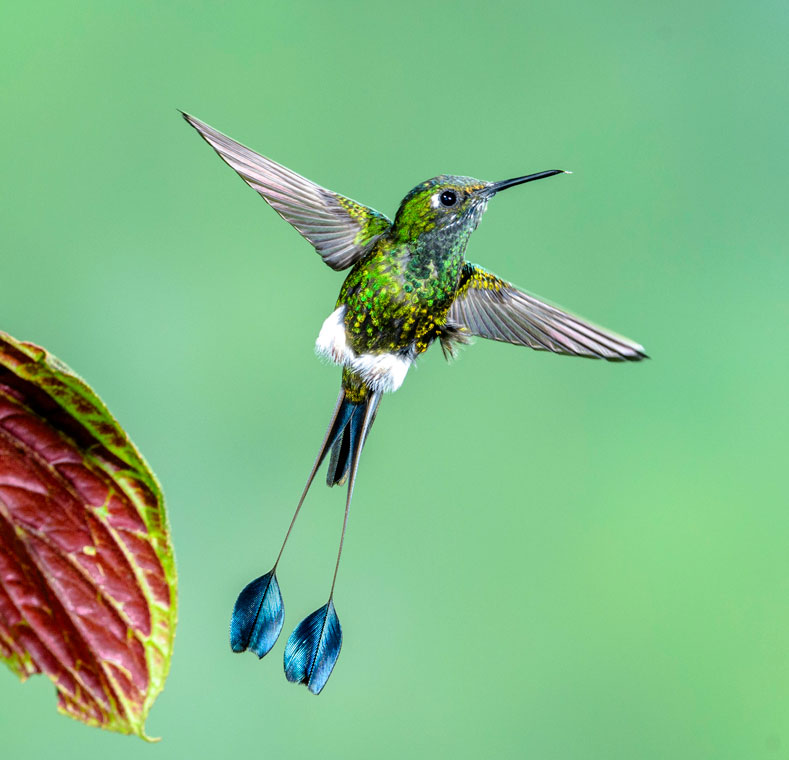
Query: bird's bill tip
[495, 187]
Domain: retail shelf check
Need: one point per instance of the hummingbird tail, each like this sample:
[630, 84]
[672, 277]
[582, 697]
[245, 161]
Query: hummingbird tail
[258, 613]
[350, 430]
[313, 648]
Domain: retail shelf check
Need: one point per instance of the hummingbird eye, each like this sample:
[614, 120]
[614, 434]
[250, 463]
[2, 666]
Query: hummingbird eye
[448, 198]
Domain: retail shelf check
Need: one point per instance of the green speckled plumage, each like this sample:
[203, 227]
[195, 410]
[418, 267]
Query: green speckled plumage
[370, 225]
[398, 295]
[395, 300]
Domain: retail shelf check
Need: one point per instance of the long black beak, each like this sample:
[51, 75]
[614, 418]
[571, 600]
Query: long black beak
[493, 188]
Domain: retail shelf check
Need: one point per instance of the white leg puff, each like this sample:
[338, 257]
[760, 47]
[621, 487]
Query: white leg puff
[382, 372]
[332, 342]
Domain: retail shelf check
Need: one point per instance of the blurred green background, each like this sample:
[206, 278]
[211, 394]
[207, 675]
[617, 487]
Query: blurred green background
[547, 557]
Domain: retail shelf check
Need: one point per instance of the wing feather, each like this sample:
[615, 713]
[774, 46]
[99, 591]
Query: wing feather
[489, 307]
[341, 230]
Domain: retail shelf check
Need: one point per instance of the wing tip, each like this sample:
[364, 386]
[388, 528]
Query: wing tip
[635, 353]
[200, 127]
[639, 353]
[204, 130]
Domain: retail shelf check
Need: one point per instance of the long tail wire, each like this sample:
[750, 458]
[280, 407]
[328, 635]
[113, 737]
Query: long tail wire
[318, 461]
[369, 415]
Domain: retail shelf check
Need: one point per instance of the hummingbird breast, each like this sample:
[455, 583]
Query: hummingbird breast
[391, 307]
[397, 299]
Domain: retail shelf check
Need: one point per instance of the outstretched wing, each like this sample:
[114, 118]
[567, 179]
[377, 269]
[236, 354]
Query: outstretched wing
[341, 230]
[492, 308]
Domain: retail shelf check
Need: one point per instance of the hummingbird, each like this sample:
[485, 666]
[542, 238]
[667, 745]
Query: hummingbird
[409, 286]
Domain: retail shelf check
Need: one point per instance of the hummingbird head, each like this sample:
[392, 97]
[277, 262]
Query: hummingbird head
[447, 209]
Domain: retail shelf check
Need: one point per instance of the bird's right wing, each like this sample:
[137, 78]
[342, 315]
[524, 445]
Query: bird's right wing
[341, 230]
[492, 308]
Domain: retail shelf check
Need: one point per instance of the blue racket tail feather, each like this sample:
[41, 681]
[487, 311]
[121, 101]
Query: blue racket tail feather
[257, 616]
[313, 648]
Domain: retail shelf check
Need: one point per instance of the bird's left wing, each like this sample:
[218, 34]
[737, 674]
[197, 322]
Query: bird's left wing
[492, 308]
[341, 230]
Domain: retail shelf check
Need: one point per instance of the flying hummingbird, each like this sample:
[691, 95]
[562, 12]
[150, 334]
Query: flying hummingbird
[408, 286]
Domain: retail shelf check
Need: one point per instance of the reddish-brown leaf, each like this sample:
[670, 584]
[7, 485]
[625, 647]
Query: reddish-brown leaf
[87, 576]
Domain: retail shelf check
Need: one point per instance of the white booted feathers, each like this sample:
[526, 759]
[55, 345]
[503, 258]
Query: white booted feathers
[382, 372]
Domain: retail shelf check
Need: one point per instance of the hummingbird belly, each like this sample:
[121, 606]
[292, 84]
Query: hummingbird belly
[381, 370]
[388, 312]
